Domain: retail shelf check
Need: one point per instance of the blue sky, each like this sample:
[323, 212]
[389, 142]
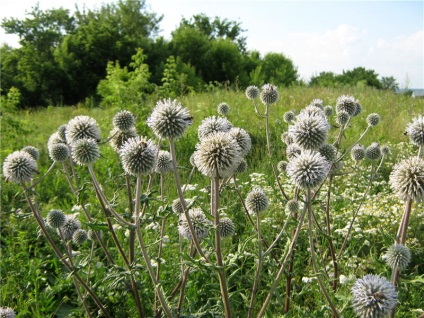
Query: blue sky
[386, 36]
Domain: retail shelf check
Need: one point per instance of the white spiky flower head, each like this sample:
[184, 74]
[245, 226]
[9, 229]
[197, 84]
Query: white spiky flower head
[308, 170]
[119, 137]
[61, 131]
[373, 296]
[252, 92]
[169, 119]
[213, 124]
[242, 167]
[328, 111]
[347, 104]
[138, 156]
[7, 312]
[317, 103]
[328, 151]
[373, 119]
[312, 110]
[82, 127]
[56, 219]
[32, 151]
[309, 131]
[289, 116]
[223, 109]
[292, 151]
[407, 179]
[218, 155]
[177, 207]
[282, 166]
[257, 201]
[415, 130]
[358, 109]
[398, 256]
[85, 151]
[269, 94]
[164, 162]
[226, 227]
[342, 117]
[54, 139]
[242, 138]
[357, 152]
[373, 151]
[68, 229]
[79, 236]
[199, 221]
[59, 152]
[124, 120]
[19, 167]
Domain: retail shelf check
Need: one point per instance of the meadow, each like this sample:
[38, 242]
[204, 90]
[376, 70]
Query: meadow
[35, 283]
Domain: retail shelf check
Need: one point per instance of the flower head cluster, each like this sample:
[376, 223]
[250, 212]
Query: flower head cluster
[257, 201]
[328, 151]
[398, 256]
[61, 131]
[252, 92]
[212, 125]
[200, 223]
[269, 94]
[138, 155]
[309, 131]
[223, 109]
[164, 162]
[85, 151]
[342, 118]
[242, 167]
[415, 130]
[407, 179]
[292, 151]
[7, 312]
[53, 140]
[177, 207]
[347, 104]
[68, 229]
[123, 121]
[292, 206]
[82, 127]
[282, 166]
[226, 227]
[19, 167]
[358, 108]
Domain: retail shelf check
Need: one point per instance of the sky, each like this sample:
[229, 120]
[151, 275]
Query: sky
[331, 36]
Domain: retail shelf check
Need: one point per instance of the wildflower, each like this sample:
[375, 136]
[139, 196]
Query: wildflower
[56, 219]
[252, 92]
[287, 138]
[7, 312]
[19, 166]
[347, 104]
[385, 150]
[54, 139]
[79, 236]
[85, 151]
[309, 131]
[242, 167]
[292, 206]
[119, 137]
[289, 116]
[257, 201]
[223, 109]
[59, 152]
[398, 256]
[213, 124]
[68, 229]
[281, 166]
[358, 152]
[138, 155]
[328, 151]
[415, 130]
[342, 118]
[269, 94]
[373, 297]
[373, 151]
[169, 119]
[32, 151]
[91, 234]
[177, 207]
[200, 224]
[242, 138]
[317, 103]
[312, 110]
[373, 119]
[328, 111]
[82, 127]
[292, 151]
[358, 109]
[226, 227]
[164, 162]
[407, 179]
[124, 120]
[61, 132]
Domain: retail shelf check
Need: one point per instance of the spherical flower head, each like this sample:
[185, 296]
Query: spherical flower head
[85, 151]
[373, 119]
[337, 166]
[328, 151]
[289, 116]
[292, 151]
[82, 127]
[358, 109]
[61, 131]
[415, 130]
[407, 179]
[242, 167]
[342, 118]
[212, 125]
[226, 227]
[91, 234]
[59, 152]
[398, 256]
[242, 138]
[7, 312]
[313, 111]
[347, 104]
[79, 236]
[54, 139]
[257, 201]
[169, 119]
[373, 297]
[223, 109]
[164, 162]
[177, 207]
[269, 94]
[218, 155]
[309, 131]
[317, 103]
[19, 167]
[373, 151]
[138, 156]
[308, 170]
[32, 151]
[287, 138]
[282, 166]
[56, 219]
[124, 120]
[192, 160]
[328, 110]
[200, 223]
[68, 229]
[357, 152]
[252, 92]
[119, 137]
[385, 150]
[292, 206]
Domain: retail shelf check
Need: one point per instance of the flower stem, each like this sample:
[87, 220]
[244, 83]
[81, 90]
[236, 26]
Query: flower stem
[258, 268]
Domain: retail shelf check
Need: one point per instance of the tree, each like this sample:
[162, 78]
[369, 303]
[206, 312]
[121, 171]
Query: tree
[358, 74]
[324, 79]
[278, 69]
[389, 83]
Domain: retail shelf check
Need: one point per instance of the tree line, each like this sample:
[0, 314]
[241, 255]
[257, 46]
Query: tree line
[64, 58]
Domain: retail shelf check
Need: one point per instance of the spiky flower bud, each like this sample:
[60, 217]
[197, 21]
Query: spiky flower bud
[119, 137]
[347, 104]
[223, 109]
[373, 297]
[226, 227]
[59, 152]
[328, 111]
[124, 120]
[328, 151]
[54, 139]
[33, 152]
[281, 166]
[82, 127]
[292, 206]
[68, 229]
[242, 138]
[56, 219]
[7, 312]
[292, 151]
[269, 94]
[61, 131]
[138, 156]
[373, 119]
[200, 223]
[357, 152]
[358, 109]
[19, 167]
[212, 125]
[287, 138]
[252, 92]
[415, 130]
[308, 170]
[164, 162]
[407, 179]
[373, 151]
[398, 256]
[313, 111]
[337, 166]
[218, 155]
[257, 201]
[169, 119]
[342, 117]
[177, 207]
[79, 236]
[309, 131]
[289, 116]
[242, 167]
[91, 234]
[85, 151]
[317, 103]
[385, 150]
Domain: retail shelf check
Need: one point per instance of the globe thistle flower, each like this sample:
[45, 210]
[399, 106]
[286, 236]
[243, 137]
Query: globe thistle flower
[85, 151]
[56, 219]
[53, 140]
[309, 132]
[252, 92]
[373, 119]
[79, 236]
[347, 104]
[177, 207]
[169, 119]
[7, 312]
[313, 111]
[138, 155]
[226, 227]
[373, 297]
[292, 206]
[328, 110]
[398, 256]
[292, 151]
[269, 94]
[91, 234]
[415, 130]
[373, 151]
[124, 120]
[192, 160]
[164, 162]
[328, 151]
[337, 166]
[61, 131]
[385, 150]
[218, 155]
[59, 152]
[119, 137]
[242, 167]
[212, 125]
[342, 118]
[82, 127]
[287, 138]
[242, 138]
[257, 201]
[357, 152]
[358, 109]
[308, 170]
[199, 221]
[19, 167]
[281, 166]
[68, 229]
[289, 116]
[33, 152]
[317, 103]
[407, 179]
[223, 109]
